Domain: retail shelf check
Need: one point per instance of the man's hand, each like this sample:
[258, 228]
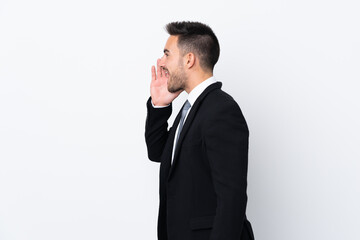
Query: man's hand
[160, 95]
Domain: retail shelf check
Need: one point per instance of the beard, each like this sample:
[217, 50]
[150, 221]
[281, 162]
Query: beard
[177, 80]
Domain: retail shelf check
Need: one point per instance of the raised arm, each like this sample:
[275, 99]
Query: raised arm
[158, 112]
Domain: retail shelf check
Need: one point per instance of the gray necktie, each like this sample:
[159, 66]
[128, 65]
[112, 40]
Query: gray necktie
[181, 124]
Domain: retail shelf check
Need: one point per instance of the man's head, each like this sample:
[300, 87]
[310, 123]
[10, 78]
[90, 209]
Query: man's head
[191, 48]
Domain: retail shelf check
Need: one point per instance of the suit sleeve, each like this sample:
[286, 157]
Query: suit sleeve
[156, 132]
[226, 140]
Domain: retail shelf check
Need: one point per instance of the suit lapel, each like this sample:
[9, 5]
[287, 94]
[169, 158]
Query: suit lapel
[189, 120]
[167, 163]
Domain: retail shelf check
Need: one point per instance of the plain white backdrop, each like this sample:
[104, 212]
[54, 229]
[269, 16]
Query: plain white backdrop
[74, 79]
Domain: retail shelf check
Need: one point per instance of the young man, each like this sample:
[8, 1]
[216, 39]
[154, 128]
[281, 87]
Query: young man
[204, 155]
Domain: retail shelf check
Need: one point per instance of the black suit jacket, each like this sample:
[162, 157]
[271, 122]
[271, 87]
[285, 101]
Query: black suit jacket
[203, 193]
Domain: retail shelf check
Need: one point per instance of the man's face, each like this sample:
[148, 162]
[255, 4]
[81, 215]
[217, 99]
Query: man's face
[172, 64]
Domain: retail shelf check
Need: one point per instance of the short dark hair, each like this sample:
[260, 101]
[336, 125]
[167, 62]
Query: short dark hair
[198, 38]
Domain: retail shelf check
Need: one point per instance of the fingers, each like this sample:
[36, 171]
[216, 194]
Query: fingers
[153, 73]
[159, 72]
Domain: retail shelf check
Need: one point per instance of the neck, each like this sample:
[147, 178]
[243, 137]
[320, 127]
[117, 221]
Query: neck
[196, 79]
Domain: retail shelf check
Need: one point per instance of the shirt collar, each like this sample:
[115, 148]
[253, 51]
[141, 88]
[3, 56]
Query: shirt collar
[196, 92]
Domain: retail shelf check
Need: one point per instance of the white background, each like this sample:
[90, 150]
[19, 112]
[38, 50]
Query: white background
[74, 79]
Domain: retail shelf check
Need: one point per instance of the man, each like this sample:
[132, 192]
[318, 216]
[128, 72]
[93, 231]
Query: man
[203, 156]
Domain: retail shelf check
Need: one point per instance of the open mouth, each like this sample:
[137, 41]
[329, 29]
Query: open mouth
[166, 72]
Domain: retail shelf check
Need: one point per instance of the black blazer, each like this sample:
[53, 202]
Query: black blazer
[203, 193]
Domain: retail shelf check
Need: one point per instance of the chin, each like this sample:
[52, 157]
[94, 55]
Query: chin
[172, 90]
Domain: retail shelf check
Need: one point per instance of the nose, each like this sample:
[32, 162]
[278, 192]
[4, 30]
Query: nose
[162, 61]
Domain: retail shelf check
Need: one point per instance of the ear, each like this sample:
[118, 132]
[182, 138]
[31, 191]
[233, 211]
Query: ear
[189, 60]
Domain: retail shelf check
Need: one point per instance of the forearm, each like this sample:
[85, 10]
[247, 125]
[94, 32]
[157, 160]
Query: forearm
[156, 132]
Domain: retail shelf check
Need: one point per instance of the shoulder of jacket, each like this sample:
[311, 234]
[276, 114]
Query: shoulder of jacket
[219, 98]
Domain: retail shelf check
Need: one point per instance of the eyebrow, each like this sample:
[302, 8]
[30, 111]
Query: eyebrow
[166, 51]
